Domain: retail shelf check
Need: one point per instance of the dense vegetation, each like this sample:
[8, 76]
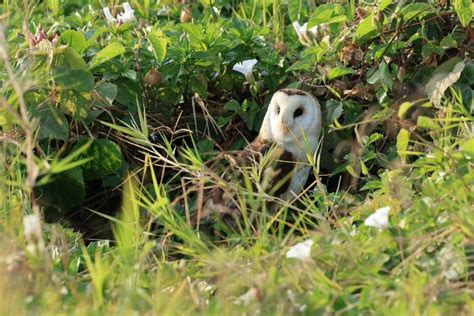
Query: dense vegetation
[110, 120]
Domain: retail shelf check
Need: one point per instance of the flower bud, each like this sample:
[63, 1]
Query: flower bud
[361, 13]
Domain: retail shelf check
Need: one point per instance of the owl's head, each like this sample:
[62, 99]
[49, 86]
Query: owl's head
[291, 115]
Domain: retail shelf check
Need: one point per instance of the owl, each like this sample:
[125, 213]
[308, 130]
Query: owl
[289, 135]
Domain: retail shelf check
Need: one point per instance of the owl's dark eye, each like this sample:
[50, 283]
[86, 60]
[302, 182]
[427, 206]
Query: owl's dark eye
[278, 109]
[298, 112]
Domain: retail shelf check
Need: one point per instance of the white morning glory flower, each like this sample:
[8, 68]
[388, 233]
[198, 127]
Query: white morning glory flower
[302, 32]
[246, 68]
[313, 35]
[379, 219]
[301, 251]
[108, 15]
[128, 15]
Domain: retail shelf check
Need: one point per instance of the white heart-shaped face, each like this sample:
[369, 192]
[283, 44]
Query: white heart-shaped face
[292, 116]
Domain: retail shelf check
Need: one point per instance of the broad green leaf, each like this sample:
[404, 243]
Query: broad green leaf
[52, 124]
[403, 138]
[427, 122]
[468, 147]
[366, 30]
[430, 49]
[339, 71]
[295, 9]
[417, 9]
[464, 11]
[77, 79]
[107, 90]
[74, 60]
[448, 42]
[404, 107]
[107, 53]
[381, 75]
[93, 39]
[436, 87]
[76, 104]
[326, 13]
[302, 64]
[63, 192]
[384, 4]
[106, 158]
[74, 39]
[159, 44]
[334, 110]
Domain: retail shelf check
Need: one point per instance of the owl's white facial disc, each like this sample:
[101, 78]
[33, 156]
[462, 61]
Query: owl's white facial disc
[292, 114]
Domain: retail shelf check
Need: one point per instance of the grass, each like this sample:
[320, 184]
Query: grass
[421, 264]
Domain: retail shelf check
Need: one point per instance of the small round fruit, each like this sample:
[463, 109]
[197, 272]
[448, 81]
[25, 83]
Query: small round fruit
[153, 78]
[186, 15]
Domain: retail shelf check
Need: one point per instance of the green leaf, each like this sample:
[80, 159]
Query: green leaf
[366, 30]
[65, 191]
[75, 104]
[296, 9]
[334, 110]
[327, 13]
[107, 53]
[93, 39]
[77, 79]
[404, 107]
[106, 158]
[381, 75]
[448, 42]
[417, 9]
[403, 138]
[159, 44]
[52, 124]
[383, 4]
[74, 39]
[302, 64]
[430, 49]
[427, 122]
[107, 90]
[74, 60]
[232, 105]
[464, 11]
[442, 80]
[468, 147]
[340, 71]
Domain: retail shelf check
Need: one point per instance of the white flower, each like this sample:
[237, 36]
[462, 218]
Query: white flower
[379, 219]
[302, 32]
[32, 227]
[313, 35]
[108, 15]
[245, 68]
[128, 15]
[301, 251]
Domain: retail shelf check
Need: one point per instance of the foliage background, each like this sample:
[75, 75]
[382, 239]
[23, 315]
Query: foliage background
[95, 113]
